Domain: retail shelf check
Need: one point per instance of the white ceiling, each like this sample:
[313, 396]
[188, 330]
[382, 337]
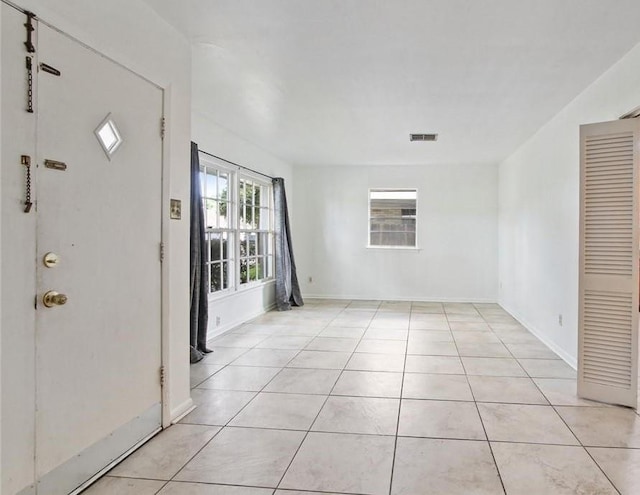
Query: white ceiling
[340, 82]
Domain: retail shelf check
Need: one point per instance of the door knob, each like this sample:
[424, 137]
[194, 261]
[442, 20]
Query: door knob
[52, 298]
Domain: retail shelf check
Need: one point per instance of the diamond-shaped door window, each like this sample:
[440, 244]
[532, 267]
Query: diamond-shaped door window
[108, 136]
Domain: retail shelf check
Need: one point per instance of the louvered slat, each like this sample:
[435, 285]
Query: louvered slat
[604, 363]
[600, 191]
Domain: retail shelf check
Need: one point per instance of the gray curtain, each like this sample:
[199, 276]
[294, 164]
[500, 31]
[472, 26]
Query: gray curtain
[199, 275]
[287, 288]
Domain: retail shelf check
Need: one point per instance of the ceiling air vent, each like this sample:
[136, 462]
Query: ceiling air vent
[423, 137]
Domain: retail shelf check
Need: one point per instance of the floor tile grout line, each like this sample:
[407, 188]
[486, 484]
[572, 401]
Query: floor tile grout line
[211, 341]
[163, 487]
[231, 419]
[454, 439]
[196, 453]
[328, 432]
[585, 448]
[234, 485]
[557, 413]
[284, 474]
[423, 399]
[257, 393]
[484, 429]
[395, 443]
[164, 482]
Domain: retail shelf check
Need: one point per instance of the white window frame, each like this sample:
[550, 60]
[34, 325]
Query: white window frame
[415, 247]
[236, 174]
[270, 262]
[231, 230]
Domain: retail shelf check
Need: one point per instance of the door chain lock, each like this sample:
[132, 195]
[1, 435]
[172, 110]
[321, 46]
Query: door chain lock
[26, 161]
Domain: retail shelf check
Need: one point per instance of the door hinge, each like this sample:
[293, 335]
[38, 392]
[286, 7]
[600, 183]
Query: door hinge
[162, 376]
[161, 252]
[163, 127]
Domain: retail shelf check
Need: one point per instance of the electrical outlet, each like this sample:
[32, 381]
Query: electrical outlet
[217, 321]
[560, 319]
[310, 280]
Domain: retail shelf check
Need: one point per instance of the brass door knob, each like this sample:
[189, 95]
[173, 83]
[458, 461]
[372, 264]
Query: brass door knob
[52, 298]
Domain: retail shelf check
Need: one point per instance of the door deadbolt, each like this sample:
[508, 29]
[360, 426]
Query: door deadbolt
[51, 260]
[52, 298]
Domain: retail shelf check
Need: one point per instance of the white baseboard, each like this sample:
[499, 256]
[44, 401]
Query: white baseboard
[482, 300]
[222, 329]
[564, 355]
[182, 410]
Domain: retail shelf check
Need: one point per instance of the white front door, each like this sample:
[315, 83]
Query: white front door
[98, 348]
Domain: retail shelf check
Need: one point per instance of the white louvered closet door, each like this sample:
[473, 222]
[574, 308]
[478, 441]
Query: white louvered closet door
[609, 258]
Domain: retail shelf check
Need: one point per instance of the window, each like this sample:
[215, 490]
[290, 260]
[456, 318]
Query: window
[392, 218]
[256, 238]
[220, 236]
[239, 227]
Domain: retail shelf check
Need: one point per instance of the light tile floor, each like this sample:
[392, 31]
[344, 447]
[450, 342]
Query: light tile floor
[386, 398]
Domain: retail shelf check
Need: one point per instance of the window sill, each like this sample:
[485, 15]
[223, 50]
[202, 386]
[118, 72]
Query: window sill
[395, 248]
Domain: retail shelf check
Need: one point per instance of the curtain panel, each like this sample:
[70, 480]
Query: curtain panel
[199, 276]
[287, 288]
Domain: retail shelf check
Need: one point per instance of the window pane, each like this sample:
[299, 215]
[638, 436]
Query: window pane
[244, 215]
[255, 218]
[409, 224]
[257, 198]
[202, 184]
[263, 247]
[242, 212]
[214, 246]
[211, 213]
[225, 246]
[249, 193]
[263, 221]
[396, 239]
[215, 277]
[253, 269]
[393, 225]
[243, 244]
[223, 209]
[212, 187]
[253, 241]
[225, 275]
[243, 272]
[261, 269]
[394, 194]
[223, 186]
[270, 266]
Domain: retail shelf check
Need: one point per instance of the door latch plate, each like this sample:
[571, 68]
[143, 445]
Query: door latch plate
[55, 165]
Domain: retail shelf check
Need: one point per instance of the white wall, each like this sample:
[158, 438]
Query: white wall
[539, 210]
[242, 305]
[457, 233]
[131, 33]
